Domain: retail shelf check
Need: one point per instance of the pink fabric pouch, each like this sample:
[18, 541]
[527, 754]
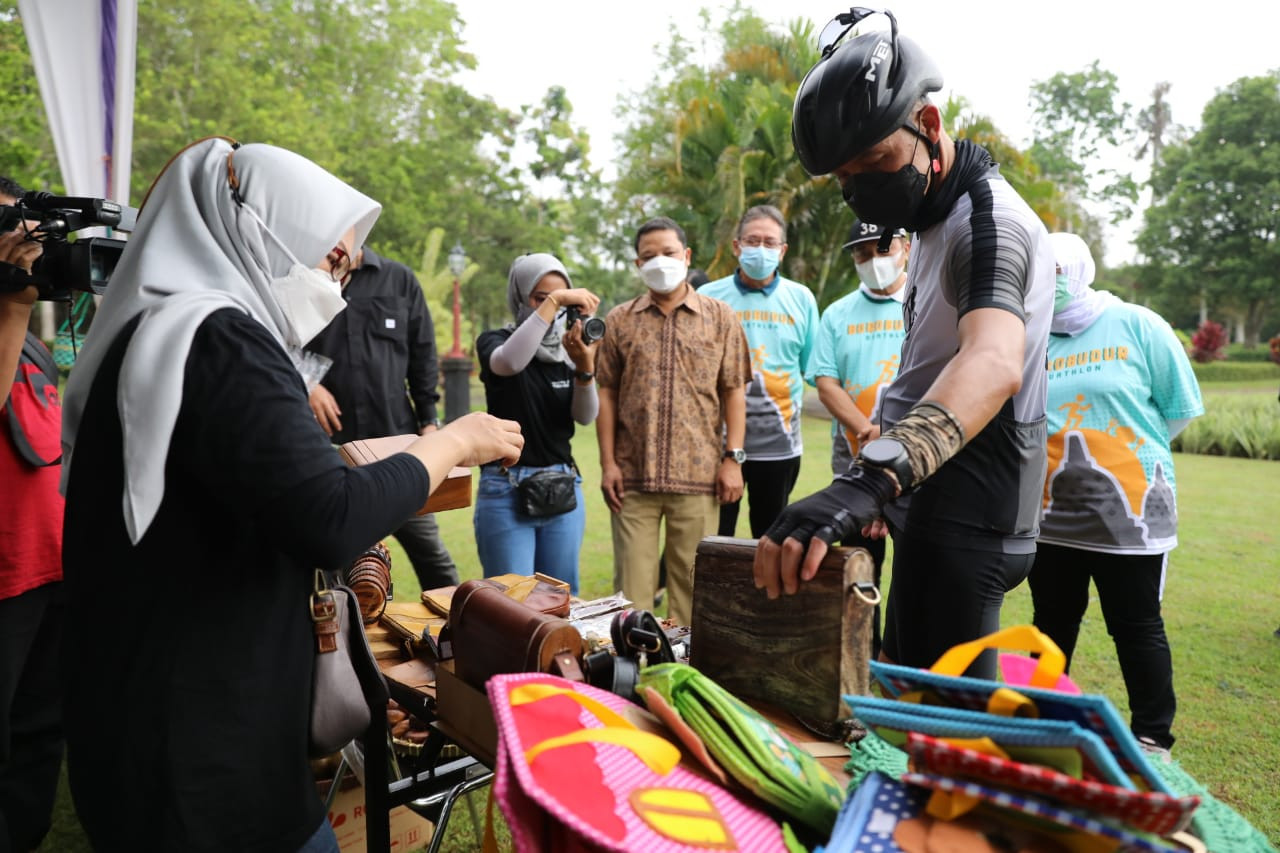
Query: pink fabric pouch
[583, 769]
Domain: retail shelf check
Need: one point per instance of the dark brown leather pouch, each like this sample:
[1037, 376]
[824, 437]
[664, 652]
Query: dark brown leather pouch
[492, 634]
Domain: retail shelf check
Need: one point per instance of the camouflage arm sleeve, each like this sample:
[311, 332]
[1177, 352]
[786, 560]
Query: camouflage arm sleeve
[931, 434]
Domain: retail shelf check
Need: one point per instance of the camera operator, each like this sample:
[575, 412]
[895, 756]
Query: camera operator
[539, 372]
[31, 740]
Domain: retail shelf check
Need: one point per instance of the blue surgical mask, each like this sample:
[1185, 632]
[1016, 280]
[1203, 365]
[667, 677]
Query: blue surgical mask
[1061, 293]
[759, 262]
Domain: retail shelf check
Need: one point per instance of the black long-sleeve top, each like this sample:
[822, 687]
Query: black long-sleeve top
[385, 372]
[189, 655]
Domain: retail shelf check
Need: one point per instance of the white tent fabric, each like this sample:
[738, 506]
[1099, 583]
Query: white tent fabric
[65, 38]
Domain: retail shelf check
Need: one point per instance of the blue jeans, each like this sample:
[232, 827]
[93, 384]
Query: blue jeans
[510, 542]
[322, 841]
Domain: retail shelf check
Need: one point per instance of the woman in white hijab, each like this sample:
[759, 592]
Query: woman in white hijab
[201, 493]
[539, 372]
[1120, 388]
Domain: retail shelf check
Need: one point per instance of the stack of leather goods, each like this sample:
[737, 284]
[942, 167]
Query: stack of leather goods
[492, 633]
[537, 591]
[370, 579]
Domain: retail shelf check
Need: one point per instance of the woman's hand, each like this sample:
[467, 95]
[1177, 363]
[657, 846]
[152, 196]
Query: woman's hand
[482, 438]
[586, 301]
[583, 355]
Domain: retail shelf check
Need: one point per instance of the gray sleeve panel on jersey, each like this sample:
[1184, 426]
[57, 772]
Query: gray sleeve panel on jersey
[992, 269]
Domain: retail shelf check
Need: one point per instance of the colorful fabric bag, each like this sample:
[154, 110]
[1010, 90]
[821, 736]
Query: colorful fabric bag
[942, 685]
[580, 768]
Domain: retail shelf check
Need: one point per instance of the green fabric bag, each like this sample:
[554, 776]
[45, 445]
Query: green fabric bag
[745, 744]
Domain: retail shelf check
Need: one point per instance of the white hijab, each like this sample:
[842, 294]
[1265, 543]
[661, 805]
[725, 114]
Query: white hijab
[196, 250]
[1087, 304]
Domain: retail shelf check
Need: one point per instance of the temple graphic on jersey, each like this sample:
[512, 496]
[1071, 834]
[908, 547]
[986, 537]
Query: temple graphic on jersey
[769, 400]
[1097, 491]
[867, 397]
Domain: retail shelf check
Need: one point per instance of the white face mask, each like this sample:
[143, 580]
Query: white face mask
[881, 271]
[309, 299]
[662, 274]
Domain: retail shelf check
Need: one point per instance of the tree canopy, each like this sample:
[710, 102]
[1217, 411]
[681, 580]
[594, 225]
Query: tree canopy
[1212, 229]
[370, 89]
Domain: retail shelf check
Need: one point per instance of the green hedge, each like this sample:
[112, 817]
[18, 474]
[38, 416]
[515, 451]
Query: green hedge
[1239, 352]
[1236, 371]
[1234, 424]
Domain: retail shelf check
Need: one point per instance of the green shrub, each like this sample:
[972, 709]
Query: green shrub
[1235, 371]
[1234, 424]
[1240, 352]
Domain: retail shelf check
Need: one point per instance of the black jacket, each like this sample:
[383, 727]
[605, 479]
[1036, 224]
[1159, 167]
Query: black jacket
[385, 370]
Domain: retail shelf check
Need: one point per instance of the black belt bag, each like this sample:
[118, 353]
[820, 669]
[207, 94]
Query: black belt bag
[547, 493]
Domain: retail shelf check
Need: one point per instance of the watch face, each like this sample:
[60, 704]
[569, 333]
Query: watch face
[882, 451]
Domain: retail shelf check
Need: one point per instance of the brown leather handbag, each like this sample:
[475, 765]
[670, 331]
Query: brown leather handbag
[492, 634]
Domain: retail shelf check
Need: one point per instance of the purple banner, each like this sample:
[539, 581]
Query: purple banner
[108, 59]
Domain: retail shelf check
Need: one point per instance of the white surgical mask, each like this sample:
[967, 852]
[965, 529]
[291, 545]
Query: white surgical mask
[309, 299]
[662, 274]
[881, 271]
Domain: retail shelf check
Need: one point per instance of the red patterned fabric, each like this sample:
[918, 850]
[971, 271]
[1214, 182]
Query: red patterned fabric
[1147, 810]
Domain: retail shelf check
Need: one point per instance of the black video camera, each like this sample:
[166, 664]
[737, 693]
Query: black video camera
[592, 327]
[66, 265]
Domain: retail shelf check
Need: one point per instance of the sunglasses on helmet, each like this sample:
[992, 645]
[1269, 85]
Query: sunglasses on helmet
[841, 25]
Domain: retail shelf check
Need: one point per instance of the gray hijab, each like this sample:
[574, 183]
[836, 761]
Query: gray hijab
[526, 272]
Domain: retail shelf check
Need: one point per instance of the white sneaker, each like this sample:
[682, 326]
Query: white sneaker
[1153, 749]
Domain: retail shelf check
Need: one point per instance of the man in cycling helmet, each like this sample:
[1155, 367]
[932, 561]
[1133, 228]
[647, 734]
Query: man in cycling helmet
[957, 472]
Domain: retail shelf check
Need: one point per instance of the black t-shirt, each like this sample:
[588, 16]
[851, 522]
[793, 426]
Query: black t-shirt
[189, 655]
[539, 398]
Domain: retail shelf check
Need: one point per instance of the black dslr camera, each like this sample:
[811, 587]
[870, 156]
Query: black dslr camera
[592, 327]
[66, 265]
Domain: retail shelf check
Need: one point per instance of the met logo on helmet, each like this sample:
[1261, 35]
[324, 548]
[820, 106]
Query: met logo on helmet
[882, 51]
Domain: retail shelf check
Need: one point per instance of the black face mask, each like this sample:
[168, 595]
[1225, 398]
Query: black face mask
[889, 199]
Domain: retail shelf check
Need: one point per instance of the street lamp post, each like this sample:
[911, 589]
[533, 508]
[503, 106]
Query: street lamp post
[457, 364]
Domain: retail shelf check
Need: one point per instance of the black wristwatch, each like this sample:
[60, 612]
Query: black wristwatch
[584, 376]
[737, 454]
[888, 453]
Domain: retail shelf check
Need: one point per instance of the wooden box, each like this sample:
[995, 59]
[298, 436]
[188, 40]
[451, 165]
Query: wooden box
[453, 493]
[799, 652]
[464, 715]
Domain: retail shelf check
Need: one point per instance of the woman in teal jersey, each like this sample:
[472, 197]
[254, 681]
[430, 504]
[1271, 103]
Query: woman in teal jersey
[1120, 388]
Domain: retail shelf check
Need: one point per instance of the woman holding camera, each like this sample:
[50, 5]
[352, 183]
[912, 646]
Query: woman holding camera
[540, 372]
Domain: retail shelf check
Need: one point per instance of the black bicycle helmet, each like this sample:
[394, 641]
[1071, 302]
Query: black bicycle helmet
[857, 95]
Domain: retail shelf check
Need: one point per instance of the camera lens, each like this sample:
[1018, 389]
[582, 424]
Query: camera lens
[592, 329]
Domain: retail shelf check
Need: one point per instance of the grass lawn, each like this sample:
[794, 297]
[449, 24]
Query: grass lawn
[1222, 604]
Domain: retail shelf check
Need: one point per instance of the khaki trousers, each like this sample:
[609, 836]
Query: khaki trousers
[635, 547]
